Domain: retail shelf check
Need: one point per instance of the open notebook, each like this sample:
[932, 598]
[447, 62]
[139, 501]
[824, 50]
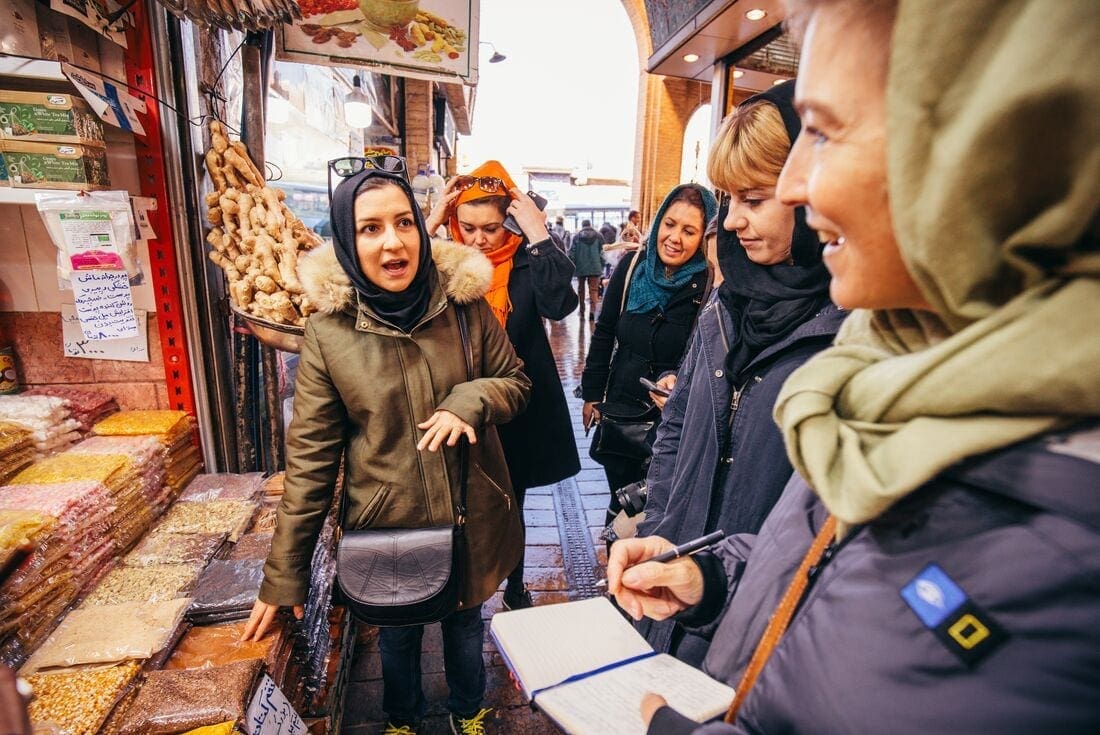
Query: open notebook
[587, 668]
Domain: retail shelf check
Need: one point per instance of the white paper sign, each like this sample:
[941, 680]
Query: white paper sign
[114, 105]
[75, 344]
[142, 207]
[104, 304]
[270, 713]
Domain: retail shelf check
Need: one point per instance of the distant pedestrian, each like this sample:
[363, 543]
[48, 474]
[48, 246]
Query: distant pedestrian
[563, 234]
[586, 253]
[608, 233]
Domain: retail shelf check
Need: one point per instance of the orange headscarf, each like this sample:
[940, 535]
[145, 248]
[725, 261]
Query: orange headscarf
[501, 258]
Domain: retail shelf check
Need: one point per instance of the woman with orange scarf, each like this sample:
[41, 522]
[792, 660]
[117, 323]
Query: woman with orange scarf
[532, 280]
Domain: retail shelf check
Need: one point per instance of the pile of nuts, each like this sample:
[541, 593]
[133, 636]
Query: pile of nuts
[256, 238]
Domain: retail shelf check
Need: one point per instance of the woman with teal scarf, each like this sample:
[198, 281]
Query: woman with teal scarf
[649, 309]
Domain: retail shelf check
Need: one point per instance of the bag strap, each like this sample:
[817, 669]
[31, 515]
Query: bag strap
[463, 444]
[781, 618]
[622, 308]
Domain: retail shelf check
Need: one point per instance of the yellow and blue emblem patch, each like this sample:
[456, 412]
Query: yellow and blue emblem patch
[944, 608]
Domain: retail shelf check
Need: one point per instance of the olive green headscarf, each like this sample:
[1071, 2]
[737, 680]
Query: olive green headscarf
[993, 129]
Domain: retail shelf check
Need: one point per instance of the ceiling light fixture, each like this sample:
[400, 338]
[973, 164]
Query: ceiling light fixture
[756, 14]
[497, 57]
[737, 73]
[357, 110]
[691, 58]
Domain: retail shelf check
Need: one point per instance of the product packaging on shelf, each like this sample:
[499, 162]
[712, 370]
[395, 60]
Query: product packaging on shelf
[19, 28]
[55, 166]
[49, 117]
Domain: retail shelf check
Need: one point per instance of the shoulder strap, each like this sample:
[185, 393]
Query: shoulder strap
[630, 275]
[463, 443]
[706, 295]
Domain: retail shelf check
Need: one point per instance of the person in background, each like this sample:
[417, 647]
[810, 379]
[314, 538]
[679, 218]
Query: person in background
[609, 233]
[382, 384]
[532, 279]
[586, 252]
[710, 242]
[652, 301]
[937, 553]
[565, 238]
[718, 459]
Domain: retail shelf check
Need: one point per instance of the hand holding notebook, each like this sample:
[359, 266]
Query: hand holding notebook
[584, 666]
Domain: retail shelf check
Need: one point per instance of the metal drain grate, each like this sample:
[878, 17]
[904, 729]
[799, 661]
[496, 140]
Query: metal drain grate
[577, 553]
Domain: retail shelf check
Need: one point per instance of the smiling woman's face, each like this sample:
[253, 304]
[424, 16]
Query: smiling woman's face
[680, 234]
[387, 240]
[837, 167]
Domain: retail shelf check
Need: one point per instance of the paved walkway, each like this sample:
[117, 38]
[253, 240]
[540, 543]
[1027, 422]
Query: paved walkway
[563, 547]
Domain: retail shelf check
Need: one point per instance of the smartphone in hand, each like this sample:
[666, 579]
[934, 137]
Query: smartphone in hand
[510, 223]
[653, 387]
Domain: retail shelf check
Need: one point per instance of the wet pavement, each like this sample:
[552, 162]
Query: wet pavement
[564, 558]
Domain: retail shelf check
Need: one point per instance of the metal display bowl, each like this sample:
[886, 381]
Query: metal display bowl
[285, 337]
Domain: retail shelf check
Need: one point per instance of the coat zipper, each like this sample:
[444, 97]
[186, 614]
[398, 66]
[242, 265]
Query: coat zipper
[419, 457]
[492, 483]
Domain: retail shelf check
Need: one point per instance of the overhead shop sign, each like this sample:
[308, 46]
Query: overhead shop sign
[425, 39]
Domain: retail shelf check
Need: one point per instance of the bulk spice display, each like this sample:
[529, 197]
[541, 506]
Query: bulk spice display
[16, 449]
[130, 664]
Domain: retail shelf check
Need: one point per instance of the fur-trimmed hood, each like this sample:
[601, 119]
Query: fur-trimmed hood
[464, 274]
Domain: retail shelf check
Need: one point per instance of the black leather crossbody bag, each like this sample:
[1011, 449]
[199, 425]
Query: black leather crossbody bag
[392, 577]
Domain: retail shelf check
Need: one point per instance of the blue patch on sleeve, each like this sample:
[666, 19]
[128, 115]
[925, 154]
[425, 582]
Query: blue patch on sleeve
[933, 595]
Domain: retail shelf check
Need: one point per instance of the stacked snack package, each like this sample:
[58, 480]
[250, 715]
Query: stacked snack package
[173, 429]
[132, 514]
[48, 419]
[16, 449]
[34, 594]
[87, 406]
[147, 454]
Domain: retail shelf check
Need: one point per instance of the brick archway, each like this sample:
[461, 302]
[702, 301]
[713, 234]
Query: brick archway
[665, 104]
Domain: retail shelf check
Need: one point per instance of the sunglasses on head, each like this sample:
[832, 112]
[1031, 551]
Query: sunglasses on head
[488, 184]
[351, 165]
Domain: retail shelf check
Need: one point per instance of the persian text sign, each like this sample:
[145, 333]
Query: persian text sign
[428, 39]
[104, 304]
[270, 713]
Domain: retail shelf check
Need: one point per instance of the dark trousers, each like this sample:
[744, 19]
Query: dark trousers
[515, 579]
[402, 694]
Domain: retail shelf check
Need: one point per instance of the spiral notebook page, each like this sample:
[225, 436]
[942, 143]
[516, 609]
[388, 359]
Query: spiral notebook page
[547, 644]
[609, 703]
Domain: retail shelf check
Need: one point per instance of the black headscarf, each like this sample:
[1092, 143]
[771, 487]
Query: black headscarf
[768, 302]
[402, 309]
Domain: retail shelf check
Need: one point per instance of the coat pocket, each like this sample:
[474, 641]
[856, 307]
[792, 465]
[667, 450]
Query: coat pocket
[504, 494]
[372, 508]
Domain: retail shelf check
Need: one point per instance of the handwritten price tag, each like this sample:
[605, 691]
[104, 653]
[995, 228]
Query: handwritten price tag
[270, 713]
[104, 304]
[75, 344]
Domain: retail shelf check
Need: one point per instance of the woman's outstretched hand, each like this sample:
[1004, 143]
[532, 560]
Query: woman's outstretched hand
[653, 590]
[444, 426]
[529, 217]
[260, 619]
[443, 208]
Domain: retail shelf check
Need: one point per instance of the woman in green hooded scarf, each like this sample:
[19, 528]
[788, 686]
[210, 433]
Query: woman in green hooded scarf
[934, 565]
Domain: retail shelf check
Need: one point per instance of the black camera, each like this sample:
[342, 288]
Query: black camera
[632, 497]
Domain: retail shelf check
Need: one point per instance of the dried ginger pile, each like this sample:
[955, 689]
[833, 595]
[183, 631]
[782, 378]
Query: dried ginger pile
[256, 238]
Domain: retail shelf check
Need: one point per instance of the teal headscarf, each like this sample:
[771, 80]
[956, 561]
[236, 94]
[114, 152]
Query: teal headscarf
[649, 288]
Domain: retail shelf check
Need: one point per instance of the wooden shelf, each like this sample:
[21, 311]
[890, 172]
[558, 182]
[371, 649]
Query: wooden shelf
[19, 66]
[9, 195]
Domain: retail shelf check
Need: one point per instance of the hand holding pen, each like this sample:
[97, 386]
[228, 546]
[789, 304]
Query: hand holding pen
[653, 577]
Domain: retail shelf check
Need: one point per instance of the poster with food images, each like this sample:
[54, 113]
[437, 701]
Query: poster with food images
[425, 39]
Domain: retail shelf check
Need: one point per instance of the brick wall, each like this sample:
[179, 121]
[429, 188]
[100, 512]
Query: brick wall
[665, 104]
[418, 122]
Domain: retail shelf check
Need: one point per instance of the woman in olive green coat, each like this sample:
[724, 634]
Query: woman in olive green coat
[382, 380]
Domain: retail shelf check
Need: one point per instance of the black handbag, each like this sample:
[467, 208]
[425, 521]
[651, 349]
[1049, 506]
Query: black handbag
[393, 577]
[624, 431]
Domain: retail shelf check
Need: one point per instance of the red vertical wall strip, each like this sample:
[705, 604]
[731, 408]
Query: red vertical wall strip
[162, 252]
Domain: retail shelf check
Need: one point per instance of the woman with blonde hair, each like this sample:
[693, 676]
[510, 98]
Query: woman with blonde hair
[718, 460]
